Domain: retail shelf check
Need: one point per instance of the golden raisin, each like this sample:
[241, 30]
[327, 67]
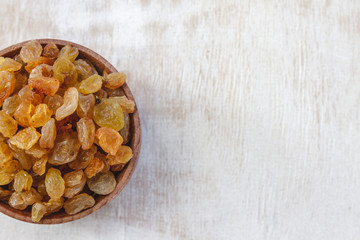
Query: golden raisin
[123, 155]
[8, 126]
[103, 183]
[38, 211]
[39, 166]
[109, 140]
[26, 138]
[74, 183]
[109, 114]
[94, 167]
[10, 65]
[86, 132]
[70, 104]
[78, 203]
[22, 181]
[7, 85]
[30, 51]
[90, 85]
[115, 80]
[51, 50]
[65, 71]
[46, 85]
[11, 104]
[55, 185]
[48, 134]
[23, 113]
[83, 158]
[69, 52]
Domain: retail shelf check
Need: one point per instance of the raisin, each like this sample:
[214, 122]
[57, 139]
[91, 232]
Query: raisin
[115, 80]
[65, 149]
[30, 66]
[41, 188]
[8, 126]
[11, 104]
[39, 166]
[109, 140]
[83, 158]
[10, 65]
[54, 205]
[24, 159]
[7, 85]
[69, 52]
[65, 71]
[55, 185]
[125, 131]
[78, 203]
[20, 82]
[48, 134]
[94, 167]
[20, 200]
[109, 114]
[46, 85]
[26, 138]
[27, 95]
[22, 181]
[71, 98]
[23, 113]
[30, 51]
[41, 116]
[84, 69]
[127, 105]
[54, 102]
[86, 132]
[103, 183]
[5, 153]
[38, 211]
[90, 85]
[86, 105]
[74, 183]
[123, 155]
[51, 50]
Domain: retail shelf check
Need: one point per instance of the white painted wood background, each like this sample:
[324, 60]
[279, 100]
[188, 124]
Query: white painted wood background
[250, 115]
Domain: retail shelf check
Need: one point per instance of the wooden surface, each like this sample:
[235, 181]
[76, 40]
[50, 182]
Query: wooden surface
[250, 115]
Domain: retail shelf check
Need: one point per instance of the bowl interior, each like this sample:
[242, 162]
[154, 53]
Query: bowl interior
[121, 177]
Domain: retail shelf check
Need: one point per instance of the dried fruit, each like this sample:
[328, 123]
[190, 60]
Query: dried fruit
[22, 181]
[41, 188]
[28, 96]
[38, 211]
[65, 71]
[51, 50]
[7, 85]
[125, 131]
[70, 104]
[65, 149]
[8, 126]
[20, 200]
[25, 160]
[11, 104]
[94, 167]
[4, 194]
[90, 85]
[109, 140]
[83, 158]
[109, 114]
[30, 51]
[39, 166]
[26, 138]
[39, 61]
[46, 85]
[23, 114]
[115, 80]
[84, 69]
[5, 153]
[115, 92]
[54, 102]
[74, 183]
[103, 183]
[86, 132]
[127, 105]
[10, 65]
[78, 203]
[123, 155]
[48, 134]
[21, 81]
[69, 52]
[54, 205]
[55, 184]
[86, 106]
[41, 116]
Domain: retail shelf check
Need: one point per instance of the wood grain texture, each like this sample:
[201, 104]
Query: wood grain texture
[250, 115]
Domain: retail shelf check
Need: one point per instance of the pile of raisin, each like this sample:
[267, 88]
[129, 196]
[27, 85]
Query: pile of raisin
[63, 130]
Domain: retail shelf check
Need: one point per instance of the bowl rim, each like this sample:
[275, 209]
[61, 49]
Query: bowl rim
[135, 143]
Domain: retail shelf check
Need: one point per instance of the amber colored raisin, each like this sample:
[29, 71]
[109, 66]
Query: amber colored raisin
[23, 114]
[19, 154]
[27, 95]
[42, 70]
[90, 85]
[83, 158]
[7, 85]
[55, 185]
[36, 151]
[20, 200]
[123, 155]
[109, 114]
[10, 65]
[54, 205]
[39, 61]
[38, 211]
[69, 52]
[26, 138]
[86, 105]
[78, 203]
[71, 98]
[11, 104]
[54, 102]
[65, 149]
[5, 153]
[51, 50]
[86, 132]
[94, 167]
[22, 181]
[115, 80]
[103, 183]
[48, 134]
[118, 92]
[46, 85]
[41, 116]
[109, 140]
[8, 126]
[41, 188]
[39, 166]
[65, 71]
[84, 68]
[20, 82]
[127, 105]
[74, 183]
[30, 51]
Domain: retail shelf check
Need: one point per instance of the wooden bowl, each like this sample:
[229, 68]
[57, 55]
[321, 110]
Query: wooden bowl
[121, 177]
